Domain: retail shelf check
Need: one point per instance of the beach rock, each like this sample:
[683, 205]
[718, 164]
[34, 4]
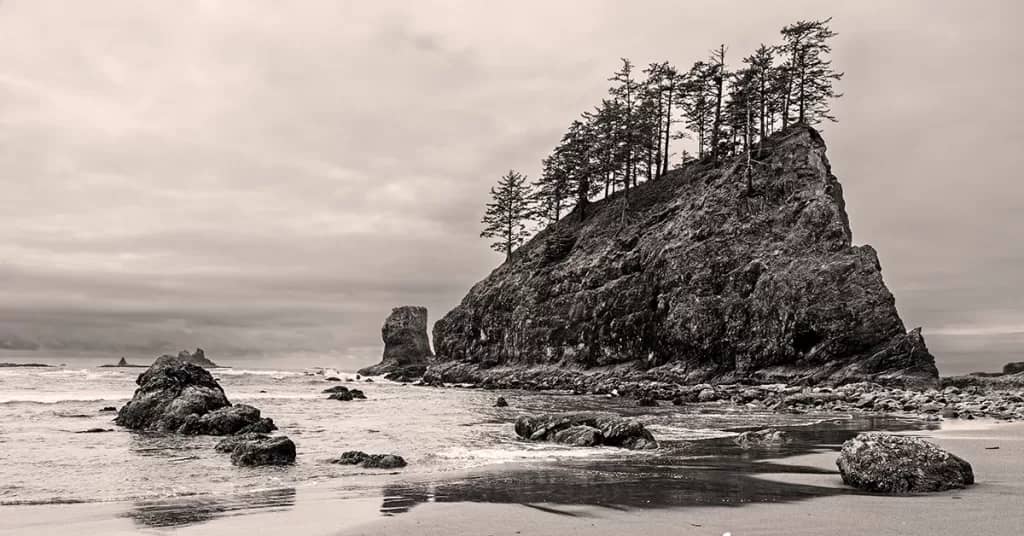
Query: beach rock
[370, 461]
[1013, 368]
[695, 279]
[262, 450]
[348, 394]
[614, 431]
[707, 395]
[335, 389]
[406, 346]
[228, 444]
[887, 463]
[579, 436]
[95, 431]
[501, 402]
[176, 396]
[769, 437]
[237, 419]
[107, 409]
[332, 379]
[647, 401]
[407, 373]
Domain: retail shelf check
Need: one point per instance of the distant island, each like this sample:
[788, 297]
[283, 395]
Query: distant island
[12, 365]
[196, 358]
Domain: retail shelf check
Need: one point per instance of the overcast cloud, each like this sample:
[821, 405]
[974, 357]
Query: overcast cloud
[272, 177]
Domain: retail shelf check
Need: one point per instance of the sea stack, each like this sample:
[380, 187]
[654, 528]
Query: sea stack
[406, 346]
[707, 274]
[196, 358]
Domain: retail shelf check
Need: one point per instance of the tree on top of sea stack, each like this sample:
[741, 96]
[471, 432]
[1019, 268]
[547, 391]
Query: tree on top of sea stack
[507, 214]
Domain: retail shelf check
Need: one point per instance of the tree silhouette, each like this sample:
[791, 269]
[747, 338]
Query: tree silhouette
[507, 214]
[810, 72]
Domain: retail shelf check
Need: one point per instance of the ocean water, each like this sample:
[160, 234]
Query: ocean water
[459, 447]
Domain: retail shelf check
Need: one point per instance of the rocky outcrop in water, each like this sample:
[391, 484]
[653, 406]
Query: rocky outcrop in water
[586, 430]
[258, 449]
[694, 278]
[406, 346]
[370, 461]
[196, 358]
[175, 396]
[769, 437]
[889, 463]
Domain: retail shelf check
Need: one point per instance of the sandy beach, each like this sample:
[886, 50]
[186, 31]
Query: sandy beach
[993, 506]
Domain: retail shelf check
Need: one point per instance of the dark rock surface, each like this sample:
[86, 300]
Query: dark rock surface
[95, 431]
[887, 463]
[694, 280]
[107, 409]
[406, 346]
[501, 402]
[769, 437]
[1013, 368]
[196, 358]
[347, 394]
[175, 396]
[370, 461]
[258, 449]
[580, 428]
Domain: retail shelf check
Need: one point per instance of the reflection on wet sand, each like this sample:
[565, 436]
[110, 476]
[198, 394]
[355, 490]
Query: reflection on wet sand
[191, 510]
[691, 473]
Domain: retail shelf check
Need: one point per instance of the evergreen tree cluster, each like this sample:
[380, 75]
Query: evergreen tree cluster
[628, 137]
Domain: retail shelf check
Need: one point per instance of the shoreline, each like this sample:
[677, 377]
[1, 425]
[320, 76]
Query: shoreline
[409, 506]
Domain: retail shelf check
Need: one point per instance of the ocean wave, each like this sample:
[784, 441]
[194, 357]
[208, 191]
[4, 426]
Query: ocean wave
[256, 372]
[60, 398]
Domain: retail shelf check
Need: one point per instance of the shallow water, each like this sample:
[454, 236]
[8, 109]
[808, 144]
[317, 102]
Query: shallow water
[459, 448]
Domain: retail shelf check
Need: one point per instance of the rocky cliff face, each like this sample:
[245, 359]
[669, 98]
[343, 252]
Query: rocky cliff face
[693, 278]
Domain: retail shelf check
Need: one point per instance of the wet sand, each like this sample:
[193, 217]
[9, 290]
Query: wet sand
[799, 493]
[994, 506]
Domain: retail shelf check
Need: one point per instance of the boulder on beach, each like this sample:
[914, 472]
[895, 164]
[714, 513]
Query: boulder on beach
[370, 461]
[888, 463]
[258, 449]
[406, 346]
[176, 396]
[501, 402]
[335, 389]
[769, 437]
[611, 430]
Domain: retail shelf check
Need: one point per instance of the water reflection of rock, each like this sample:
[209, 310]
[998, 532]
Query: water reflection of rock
[699, 473]
[183, 511]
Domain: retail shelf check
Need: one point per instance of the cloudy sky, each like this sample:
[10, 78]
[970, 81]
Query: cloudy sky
[271, 177]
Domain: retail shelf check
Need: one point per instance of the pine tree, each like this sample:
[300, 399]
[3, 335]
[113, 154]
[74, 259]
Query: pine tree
[508, 213]
[551, 192]
[810, 72]
[697, 105]
[762, 71]
[718, 75]
[629, 137]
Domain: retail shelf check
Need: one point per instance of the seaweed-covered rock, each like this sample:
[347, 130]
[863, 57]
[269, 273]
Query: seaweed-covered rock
[370, 461]
[696, 278]
[890, 463]
[176, 396]
[611, 430]
[769, 437]
[406, 345]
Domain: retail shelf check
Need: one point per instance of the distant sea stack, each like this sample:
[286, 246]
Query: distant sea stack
[699, 276]
[196, 358]
[406, 345]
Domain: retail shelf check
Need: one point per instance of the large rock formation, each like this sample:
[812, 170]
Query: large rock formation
[889, 463]
[406, 346]
[694, 277]
[175, 396]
